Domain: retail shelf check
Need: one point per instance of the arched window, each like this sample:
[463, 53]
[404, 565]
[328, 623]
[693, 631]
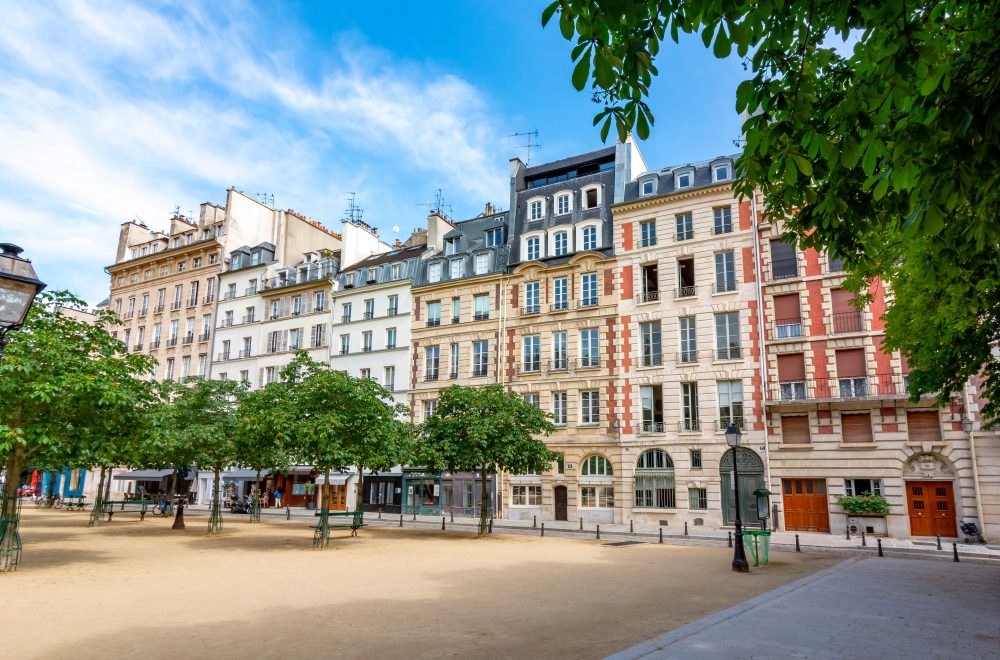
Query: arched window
[654, 481]
[561, 244]
[590, 238]
[596, 466]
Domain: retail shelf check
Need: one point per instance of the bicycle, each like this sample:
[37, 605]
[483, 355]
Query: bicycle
[163, 508]
[49, 502]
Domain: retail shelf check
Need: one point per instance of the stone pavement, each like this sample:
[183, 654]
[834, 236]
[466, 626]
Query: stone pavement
[860, 608]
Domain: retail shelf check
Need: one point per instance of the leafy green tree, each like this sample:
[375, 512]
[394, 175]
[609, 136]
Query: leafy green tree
[880, 149]
[63, 384]
[265, 430]
[482, 429]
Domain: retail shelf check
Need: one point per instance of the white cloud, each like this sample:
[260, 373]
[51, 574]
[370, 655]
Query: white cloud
[112, 111]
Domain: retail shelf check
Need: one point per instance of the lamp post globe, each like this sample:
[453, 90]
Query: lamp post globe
[740, 564]
[18, 287]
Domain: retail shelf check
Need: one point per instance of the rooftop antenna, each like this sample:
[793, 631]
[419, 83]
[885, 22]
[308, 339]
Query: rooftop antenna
[532, 134]
[438, 205]
[353, 211]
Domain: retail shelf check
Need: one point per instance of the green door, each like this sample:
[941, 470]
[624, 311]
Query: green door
[751, 470]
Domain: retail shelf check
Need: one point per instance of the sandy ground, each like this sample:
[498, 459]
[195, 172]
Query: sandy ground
[140, 590]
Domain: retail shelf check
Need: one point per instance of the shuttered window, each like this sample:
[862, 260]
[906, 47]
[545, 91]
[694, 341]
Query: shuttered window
[842, 301]
[791, 367]
[786, 309]
[795, 429]
[923, 426]
[851, 363]
[857, 427]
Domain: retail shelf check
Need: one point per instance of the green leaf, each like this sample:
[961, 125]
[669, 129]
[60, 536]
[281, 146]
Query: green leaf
[803, 164]
[548, 12]
[566, 25]
[642, 125]
[722, 47]
[606, 129]
[582, 71]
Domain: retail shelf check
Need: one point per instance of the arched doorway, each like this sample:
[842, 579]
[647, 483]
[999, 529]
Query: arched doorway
[751, 470]
[930, 495]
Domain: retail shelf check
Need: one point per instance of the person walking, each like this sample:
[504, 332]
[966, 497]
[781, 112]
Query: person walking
[277, 498]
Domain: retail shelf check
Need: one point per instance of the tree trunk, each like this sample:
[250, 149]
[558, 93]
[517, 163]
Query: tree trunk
[360, 490]
[97, 513]
[215, 519]
[483, 524]
[172, 491]
[15, 463]
[10, 536]
[255, 500]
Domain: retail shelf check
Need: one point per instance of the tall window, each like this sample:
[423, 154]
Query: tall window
[560, 355]
[346, 316]
[481, 307]
[651, 399]
[590, 238]
[723, 220]
[561, 297]
[434, 313]
[494, 237]
[532, 354]
[434, 272]
[685, 227]
[534, 248]
[318, 335]
[366, 341]
[559, 408]
[588, 288]
[320, 301]
[654, 481]
[390, 337]
[456, 310]
[647, 233]
[690, 420]
[480, 358]
[451, 246]
[297, 306]
[730, 403]
[393, 305]
[689, 340]
[390, 378]
[590, 407]
[174, 329]
[457, 269]
[725, 271]
[369, 308]
[562, 204]
[532, 298]
[430, 407]
[453, 356]
[561, 244]
[482, 264]
[345, 344]
[727, 336]
[533, 399]
[650, 338]
[432, 360]
[589, 350]
[535, 210]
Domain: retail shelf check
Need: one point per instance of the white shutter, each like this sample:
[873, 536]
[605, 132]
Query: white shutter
[284, 340]
[312, 336]
[260, 378]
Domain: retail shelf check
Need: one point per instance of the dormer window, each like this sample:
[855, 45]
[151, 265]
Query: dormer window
[591, 197]
[434, 272]
[494, 237]
[722, 172]
[237, 261]
[395, 271]
[683, 179]
[534, 248]
[451, 246]
[255, 257]
[647, 187]
[562, 204]
[535, 210]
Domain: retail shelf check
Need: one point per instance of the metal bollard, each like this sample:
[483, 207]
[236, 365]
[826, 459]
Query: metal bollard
[543, 529]
[490, 530]
[685, 528]
[453, 516]
[442, 523]
[661, 535]
[848, 532]
[880, 548]
[598, 532]
[797, 548]
[939, 541]
[534, 522]
[581, 524]
[400, 520]
[414, 514]
[380, 514]
[631, 527]
[864, 543]
[288, 513]
[954, 550]
[730, 539]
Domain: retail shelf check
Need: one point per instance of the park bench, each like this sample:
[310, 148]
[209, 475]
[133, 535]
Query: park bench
[111, 507]
[356, 523]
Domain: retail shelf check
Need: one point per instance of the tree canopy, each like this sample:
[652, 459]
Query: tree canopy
[871, 130]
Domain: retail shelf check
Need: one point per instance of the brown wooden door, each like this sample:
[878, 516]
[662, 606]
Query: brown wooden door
[931, 505]
[805, 505]
[562, 502]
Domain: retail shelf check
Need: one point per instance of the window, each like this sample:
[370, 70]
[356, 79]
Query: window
[533, 399]
[795, 429]
[647, 187]
[590, 199]
[590, 407]
[390, 378]
[589, 349]
[434, 313]
[247, 345]
[534, 248]
[482, 264]
[689, 340]
[792, 376]
[456, 310]
[727, 336]
[297, 305]
[319, 303]
[318, 337]
[532, 300]
[531, 360]
[856, 427]
[559, 408]
[174, 329]
[721, 172]
[393, 305]
[588, 289]
[654, 481]
[480, 358]
[695, 456]
[366, 374]
[170, 368]
[432, 360]
[787, 315]
[836, 265]
[683, 179]
[690, 420]
[561, 244]
[276, 309]
[345, 344]
[430, 407]
[481, 307]
[596, 466]
[526, 495]
[206, 326]
[180, 266]
[651, 399]
[562, 204]
[390, 338]
[697, 498]
[650, 344]
[594, 497]
[250, 312]
[535, 210]
[723, 217]
[560, 355]
[851, 373]
[725, 271]
[857, 487]
[730, 403]
[434, 272]
[212, 258]
[685, 278]
[396, 271]
[494, 237]
[185, 366]
[457, 269]
[846, 317]
[270, 374]
[561, 298]
[590, 238]
[366, 341]
[685, 227]
[451, 246]
[346, 315]
[197, 262]
[453, 356]
[783, 261]
[178, 295]
[647, 233]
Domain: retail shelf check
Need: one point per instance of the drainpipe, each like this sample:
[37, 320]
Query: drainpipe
[759, 277]
[501, 326]
[975, 463]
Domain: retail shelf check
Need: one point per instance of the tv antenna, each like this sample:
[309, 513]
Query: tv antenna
[353, 211]
[438, 205]
[264, 197]
[532, 134]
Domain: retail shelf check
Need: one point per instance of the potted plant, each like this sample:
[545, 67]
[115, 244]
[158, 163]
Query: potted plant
[866, 512]
[310, 488]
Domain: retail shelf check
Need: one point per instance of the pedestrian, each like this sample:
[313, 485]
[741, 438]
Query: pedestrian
[277, 498]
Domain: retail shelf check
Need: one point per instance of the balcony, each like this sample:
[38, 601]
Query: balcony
[189, 338]
[879, 386]
[137, 348]
[294, 347]
[481, 316]
[249, 291]
[560, 363]
[649, 296]
[651, 427]
[345, 351]
[129, 315]
[685, 235]
[784, 269]
[559, 306]
[688, 357]
[391, 346]
[208, 300]
[846, 322]
[651, 360]
[154, 344]
[158, 309]
[792, 328]
[532, 366]
[480, 371]
[690, 425]
[453, 375]
[737, 421]
[431, 376]
[729, 353]
[456, 319]
[589, 362]
[248, 319]
[433, 323]
[229, 295]
[393, 311]
[724, 287]
[143, 311]
[225, 356]
[369, 316]
[685, 292]
[175, 305]
[531, 309]
[346, 318]
[204, 336]
[193, 302]
[366, 349]
[586, 303]
[172, 341]
[247, 353]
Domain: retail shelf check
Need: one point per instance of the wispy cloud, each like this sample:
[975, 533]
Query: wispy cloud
[113, 111]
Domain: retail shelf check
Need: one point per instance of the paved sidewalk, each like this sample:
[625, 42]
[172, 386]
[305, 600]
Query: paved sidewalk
[860, 608]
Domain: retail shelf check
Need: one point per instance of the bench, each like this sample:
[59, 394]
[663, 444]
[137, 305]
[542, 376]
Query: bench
[127, 506]
[356, 523]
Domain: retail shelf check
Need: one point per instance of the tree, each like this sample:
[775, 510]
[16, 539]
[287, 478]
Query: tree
[267, 420]
[63, 384]
[481, 429]
[882, 153]
[203, 417]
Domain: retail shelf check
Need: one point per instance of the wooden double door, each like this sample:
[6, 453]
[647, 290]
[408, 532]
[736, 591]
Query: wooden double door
[806, 507]
[931, 505]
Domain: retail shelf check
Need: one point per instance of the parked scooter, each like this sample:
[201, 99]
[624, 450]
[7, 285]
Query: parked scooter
[972, 532]
[241, 505]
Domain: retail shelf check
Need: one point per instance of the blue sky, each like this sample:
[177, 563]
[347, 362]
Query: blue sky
[117, 110]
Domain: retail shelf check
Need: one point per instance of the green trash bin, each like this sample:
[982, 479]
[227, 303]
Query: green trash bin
[750, 544]
[765, 542]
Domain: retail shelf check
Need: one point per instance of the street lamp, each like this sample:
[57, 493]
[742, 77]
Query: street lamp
[18, 288]
[966, 422]
[740, 565]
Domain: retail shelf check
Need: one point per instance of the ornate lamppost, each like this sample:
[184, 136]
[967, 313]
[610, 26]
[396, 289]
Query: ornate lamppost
[733, 437]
